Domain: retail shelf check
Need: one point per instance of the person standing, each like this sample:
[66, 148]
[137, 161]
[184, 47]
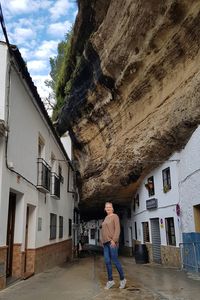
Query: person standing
[110, 239]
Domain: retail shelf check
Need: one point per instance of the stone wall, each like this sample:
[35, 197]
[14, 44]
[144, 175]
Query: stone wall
[37, 260]
[3, 254]
[49, 256]
[18, 261]
[150, 251]
[170, 256]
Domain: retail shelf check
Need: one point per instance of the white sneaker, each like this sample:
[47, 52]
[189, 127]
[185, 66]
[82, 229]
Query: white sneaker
[122, 283]
[109, 284]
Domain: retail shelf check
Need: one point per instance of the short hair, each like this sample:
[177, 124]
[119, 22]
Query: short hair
[109, 203]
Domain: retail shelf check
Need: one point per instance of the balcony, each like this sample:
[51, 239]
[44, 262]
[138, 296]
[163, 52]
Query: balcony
[2, 121]
[2, 128]
[44, 176]
[55, 186]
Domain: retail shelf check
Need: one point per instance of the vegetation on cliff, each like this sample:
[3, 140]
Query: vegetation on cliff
[66, 66]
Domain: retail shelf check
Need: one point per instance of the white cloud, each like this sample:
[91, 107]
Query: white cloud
[47, 49]
[60, 8]
[37, 66]
[25, 6]
[59, 29]
[22, 35]
[25, 52]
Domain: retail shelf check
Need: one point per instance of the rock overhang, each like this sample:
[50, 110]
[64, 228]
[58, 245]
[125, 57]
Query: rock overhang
[135, 100]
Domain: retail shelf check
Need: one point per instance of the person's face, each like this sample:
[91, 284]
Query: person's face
[109, 208]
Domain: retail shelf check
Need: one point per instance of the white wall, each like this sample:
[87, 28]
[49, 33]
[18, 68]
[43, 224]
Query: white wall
[25, 125]
[67, 143]
[3, 86]
[166, 202]
[189, 177]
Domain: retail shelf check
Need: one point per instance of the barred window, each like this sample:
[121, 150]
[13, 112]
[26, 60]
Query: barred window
[170, 231]
[53, 226]
[166, 180]
[135, 223]
[70, 227]
[151, 188]
[145, 227]
[60, 226]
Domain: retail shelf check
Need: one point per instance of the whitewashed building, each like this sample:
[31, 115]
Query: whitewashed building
[154, 217]
[189, 184]
[165, 211]
[36, 178]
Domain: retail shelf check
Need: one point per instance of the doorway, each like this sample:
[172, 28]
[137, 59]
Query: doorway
[30, 227]
[26, 240]
[10, 233]
[156, 240]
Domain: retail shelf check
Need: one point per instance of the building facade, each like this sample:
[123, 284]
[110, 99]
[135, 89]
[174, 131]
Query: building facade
[154, 218]
[165, 211]
[36, 178]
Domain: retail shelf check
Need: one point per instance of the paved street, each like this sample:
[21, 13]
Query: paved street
[85, 279]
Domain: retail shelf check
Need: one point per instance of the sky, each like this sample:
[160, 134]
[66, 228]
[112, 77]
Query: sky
[36, 27]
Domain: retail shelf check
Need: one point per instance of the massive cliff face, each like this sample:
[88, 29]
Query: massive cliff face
[136, 97]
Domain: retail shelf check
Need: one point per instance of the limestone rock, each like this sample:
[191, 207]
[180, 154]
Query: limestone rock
[142, 98]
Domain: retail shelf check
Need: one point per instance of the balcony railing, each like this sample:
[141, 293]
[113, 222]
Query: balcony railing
[2, 128]
[55, 186]
[44, 176]
[2, 121]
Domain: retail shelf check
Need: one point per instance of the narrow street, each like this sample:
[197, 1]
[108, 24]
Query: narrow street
[85, 279]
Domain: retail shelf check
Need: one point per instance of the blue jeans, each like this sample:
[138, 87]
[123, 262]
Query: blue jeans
[111, 254]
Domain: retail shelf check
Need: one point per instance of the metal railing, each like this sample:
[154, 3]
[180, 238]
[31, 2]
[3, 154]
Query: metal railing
[190, 256]
[55, 185]
[44, 175]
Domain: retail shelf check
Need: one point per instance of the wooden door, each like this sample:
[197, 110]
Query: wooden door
[10, 233]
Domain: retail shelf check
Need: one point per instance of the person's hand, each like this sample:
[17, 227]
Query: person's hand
[112, 244]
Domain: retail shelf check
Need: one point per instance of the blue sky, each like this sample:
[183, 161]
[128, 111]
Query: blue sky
[36, 27]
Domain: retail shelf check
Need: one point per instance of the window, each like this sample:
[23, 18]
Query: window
[166, 180]
[60, 226]
[170, 231]
[60, 174]
[136, 230]
[76, 216]
[39, 224]
[53, 226]
[70, 227]
[145, 227]
[92, 233]
[41, 144]
[44, 176]
[151, 189]
[55, 186]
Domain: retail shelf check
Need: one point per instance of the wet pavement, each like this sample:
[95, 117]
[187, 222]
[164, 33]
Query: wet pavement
[85, 279]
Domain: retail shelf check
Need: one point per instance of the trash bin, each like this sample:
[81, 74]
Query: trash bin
[141, 254]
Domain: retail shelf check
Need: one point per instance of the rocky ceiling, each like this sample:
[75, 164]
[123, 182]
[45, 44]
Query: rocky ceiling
[136, 98]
